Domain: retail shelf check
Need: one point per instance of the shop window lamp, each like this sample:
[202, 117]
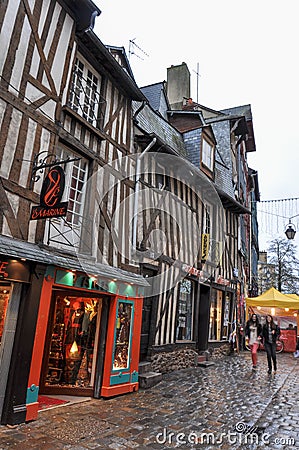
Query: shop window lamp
[74, 351]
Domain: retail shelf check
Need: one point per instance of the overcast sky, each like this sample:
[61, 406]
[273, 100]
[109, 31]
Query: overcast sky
[247, 54]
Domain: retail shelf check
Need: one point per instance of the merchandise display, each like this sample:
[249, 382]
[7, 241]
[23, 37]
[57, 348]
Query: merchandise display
[4, 297]
[72, 342]
[122, 338]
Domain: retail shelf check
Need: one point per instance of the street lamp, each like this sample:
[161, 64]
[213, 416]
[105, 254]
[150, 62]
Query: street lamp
[290, 231]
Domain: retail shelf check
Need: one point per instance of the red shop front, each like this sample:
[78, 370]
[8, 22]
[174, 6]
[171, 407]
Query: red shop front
[87, 337]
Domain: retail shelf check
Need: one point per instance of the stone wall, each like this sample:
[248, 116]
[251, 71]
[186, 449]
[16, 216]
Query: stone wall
[169, 361]
[219, 352]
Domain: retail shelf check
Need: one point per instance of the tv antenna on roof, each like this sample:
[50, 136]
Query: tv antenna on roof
[197, 80]
[133, 47]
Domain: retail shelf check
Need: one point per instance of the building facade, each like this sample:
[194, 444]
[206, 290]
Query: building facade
[70, 308]
[217, 143]
[124, 215]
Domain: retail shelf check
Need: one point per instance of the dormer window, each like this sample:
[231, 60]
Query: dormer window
[207, 154]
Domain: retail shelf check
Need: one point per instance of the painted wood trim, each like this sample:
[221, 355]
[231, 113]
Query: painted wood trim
[9, 214]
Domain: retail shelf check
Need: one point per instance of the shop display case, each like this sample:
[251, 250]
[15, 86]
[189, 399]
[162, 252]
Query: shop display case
[55, 366]
[122, 347]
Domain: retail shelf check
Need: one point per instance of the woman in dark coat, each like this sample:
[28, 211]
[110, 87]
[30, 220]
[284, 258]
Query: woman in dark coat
[271, 332]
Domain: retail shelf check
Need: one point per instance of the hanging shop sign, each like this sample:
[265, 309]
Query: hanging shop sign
[205, 245]
[14, 270]
[192, 270]
[222, 280]
[50, 197]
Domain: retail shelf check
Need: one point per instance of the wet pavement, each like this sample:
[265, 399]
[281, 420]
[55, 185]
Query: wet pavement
[223, 406]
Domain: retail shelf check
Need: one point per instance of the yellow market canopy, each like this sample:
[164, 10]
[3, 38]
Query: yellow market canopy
[275, 299]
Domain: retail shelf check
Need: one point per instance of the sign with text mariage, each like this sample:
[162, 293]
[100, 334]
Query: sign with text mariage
[50, 197]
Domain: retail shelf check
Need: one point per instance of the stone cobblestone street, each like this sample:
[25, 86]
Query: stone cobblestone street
[223, 406]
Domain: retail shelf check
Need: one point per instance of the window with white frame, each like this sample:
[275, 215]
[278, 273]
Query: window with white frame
[67, 230]
[207, 154]
[85, 96]
[76, 181]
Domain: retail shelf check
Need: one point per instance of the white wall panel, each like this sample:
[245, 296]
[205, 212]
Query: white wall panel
[7, 30]
[11, 143]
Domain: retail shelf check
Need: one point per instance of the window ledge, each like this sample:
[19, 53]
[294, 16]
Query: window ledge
[84, 122]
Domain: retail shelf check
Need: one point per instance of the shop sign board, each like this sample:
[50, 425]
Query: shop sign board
[14, 270]
[81, 280]
[222, 280]
[50, 197]
[205, 245]
[192, 270]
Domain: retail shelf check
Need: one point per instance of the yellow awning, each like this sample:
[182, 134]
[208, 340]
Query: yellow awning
[273, 298]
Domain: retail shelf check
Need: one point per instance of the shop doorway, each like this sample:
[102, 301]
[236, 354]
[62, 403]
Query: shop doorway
[74, 350]
[148, 313]
[203, 318]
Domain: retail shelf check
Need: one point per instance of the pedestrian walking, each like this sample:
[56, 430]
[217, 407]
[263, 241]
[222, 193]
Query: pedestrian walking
[296, 354]
[253, 334]
[271, 332]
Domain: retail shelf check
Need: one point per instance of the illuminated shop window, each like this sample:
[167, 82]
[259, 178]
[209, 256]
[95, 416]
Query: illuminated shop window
[215, 315]
[121, 358]
[4, 298]
[185, 311]
[226, 317]
[73, 342]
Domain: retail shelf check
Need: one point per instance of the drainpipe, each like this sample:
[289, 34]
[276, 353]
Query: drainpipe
[137, 179]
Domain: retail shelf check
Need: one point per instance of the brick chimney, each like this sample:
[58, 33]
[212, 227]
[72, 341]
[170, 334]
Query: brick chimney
[178, 85]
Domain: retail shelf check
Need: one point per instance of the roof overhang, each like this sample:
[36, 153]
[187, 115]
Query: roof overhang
[84, 12]
[103, 58]
[231, 204]
[160, 145]
[41, 254]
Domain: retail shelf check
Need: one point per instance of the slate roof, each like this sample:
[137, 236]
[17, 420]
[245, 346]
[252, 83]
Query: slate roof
[105, 59]
[153, 93]
[125, 62]
[153, 124]
[223, 166]
[16, 248]
[244, 110]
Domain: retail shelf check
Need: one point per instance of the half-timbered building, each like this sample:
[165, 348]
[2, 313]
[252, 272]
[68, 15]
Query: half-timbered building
[217, 143]
[70, 298]
[108, 193]
[174, 213]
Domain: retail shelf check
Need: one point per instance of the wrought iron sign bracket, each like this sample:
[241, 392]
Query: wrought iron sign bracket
[40, 163]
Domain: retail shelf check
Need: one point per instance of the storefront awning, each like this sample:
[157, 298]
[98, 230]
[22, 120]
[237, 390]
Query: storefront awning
[16, 248]
[275, 299]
